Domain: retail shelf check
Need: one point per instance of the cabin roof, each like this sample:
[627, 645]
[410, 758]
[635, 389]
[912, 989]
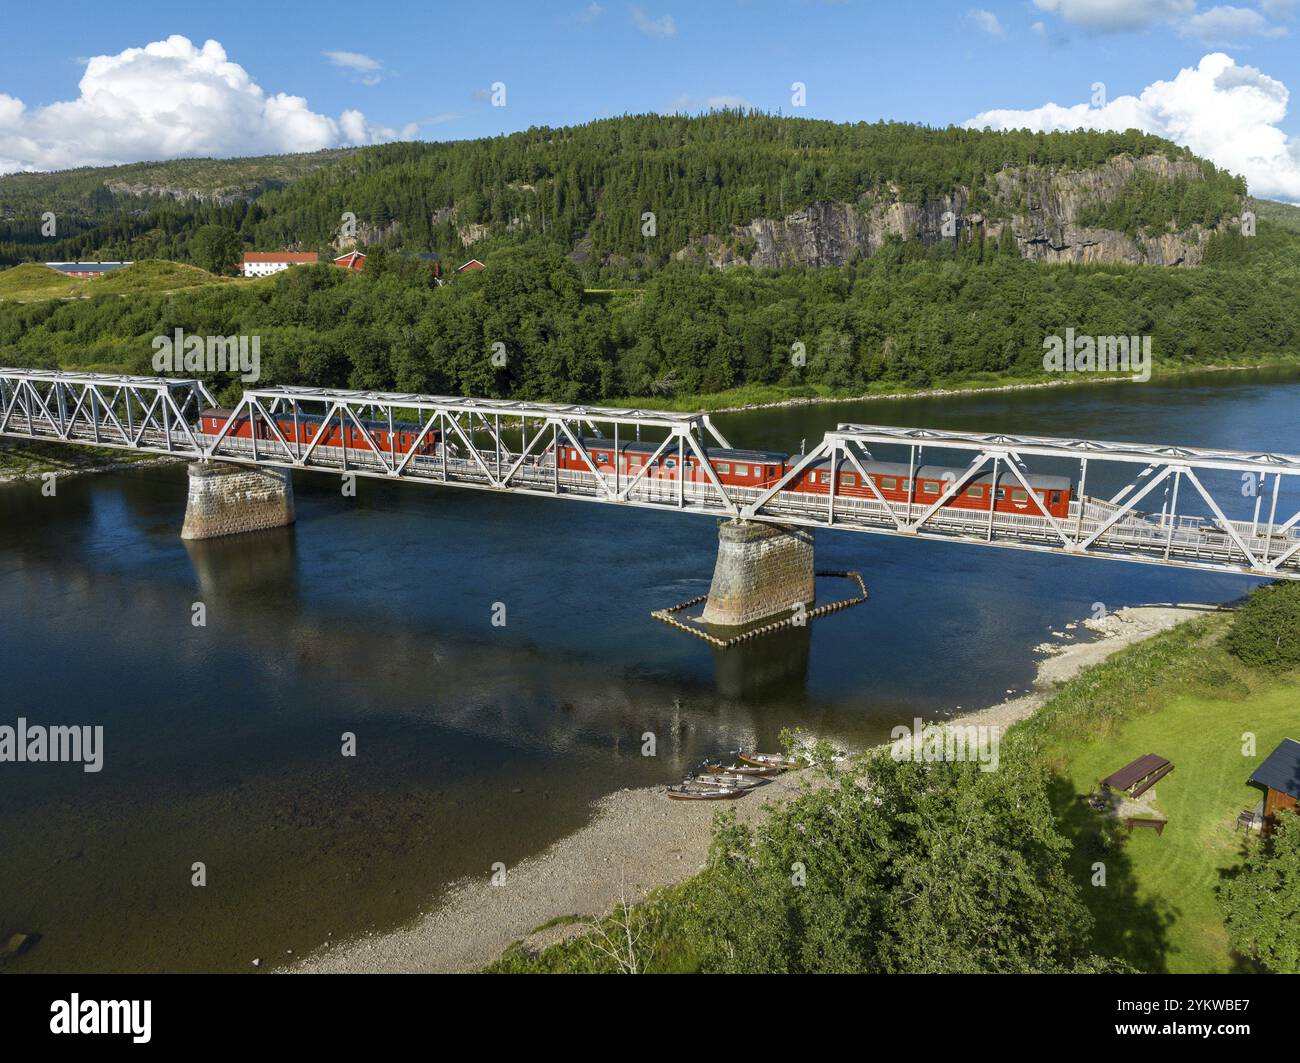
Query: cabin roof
[1281, 769]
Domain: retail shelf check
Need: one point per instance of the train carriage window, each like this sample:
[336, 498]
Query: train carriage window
[929, 487]
[1002, 493]
[724, 467]
[1018, 495]
[888, 483]
[636, 459]
[975, 492]
[742, 470]
[850, 479]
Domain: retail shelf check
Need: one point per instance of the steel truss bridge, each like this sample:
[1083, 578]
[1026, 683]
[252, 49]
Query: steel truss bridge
[506, 445]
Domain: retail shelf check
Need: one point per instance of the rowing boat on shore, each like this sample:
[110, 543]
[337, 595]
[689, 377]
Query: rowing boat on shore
[768, 760]
[739, 781]
[689, 791]
[754, 771]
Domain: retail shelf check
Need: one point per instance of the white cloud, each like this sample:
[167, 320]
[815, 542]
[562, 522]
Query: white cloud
[1227, 25]
[662, 27]
[686, 104]
[370, 71]
[1277, 8]
[1227, 113]
[1112, 16]
[170, 99]
[590, 13]
[986, 21]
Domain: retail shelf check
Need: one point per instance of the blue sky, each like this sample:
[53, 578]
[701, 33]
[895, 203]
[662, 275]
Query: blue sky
[425, 69]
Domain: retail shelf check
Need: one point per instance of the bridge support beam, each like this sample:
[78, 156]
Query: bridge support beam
[763, 571]
[232, 499]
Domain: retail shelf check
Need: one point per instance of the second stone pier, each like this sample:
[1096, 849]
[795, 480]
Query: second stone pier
[230, 499]
[763, 571]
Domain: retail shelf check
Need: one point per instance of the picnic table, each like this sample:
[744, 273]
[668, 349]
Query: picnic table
[1138, 776]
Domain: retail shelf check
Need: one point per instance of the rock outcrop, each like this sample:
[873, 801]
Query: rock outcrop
[1042, 207]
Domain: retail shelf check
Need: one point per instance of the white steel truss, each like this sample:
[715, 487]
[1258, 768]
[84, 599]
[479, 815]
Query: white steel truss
[103, 409]
[509, 445]
[1261, 545]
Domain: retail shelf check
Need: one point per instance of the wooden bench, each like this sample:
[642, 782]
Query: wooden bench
[1151, 780]
[1158, 825]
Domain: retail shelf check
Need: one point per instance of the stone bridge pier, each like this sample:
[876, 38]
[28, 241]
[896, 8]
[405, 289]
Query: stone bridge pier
[230, 499]
[763, 571]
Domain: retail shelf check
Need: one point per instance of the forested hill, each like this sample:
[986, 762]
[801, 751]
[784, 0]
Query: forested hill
[724, 187]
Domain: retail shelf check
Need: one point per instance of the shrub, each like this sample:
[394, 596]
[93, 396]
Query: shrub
[1265, 633]
[1261, 904]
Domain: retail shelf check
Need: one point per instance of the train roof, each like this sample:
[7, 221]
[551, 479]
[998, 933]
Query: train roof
[874, 468]
[1036, 480]
[717, 453]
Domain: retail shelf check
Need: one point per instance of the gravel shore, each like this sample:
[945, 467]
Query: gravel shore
[638, 840]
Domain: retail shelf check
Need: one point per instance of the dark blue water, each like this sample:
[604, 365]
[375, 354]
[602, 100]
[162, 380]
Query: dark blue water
[475, 743]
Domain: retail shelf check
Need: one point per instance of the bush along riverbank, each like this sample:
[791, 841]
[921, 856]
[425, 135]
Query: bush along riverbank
[885, 865]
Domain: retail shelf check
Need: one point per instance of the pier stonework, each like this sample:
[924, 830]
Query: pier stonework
[230, 499]
[763, 571]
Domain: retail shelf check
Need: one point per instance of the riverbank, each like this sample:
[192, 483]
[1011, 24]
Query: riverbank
[26, 461]
[637, 841]
[770, 397]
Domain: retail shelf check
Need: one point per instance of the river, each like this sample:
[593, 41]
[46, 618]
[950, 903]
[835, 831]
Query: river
[475, 743]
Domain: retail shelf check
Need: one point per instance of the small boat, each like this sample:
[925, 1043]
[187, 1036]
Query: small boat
[739, 781]
[699, 792]
[748, 770]
[768, 760]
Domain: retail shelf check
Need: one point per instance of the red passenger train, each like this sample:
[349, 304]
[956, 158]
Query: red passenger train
[303, 430]
[896, 482]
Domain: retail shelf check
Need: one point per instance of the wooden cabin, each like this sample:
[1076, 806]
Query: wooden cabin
[1280, 777]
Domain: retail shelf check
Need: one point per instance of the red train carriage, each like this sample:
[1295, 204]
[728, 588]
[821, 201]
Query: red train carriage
[895, 483]
[741, 468]
[306, 426]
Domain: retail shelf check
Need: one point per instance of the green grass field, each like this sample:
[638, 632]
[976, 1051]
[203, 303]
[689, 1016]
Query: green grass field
[33, 281]
[1162, 913]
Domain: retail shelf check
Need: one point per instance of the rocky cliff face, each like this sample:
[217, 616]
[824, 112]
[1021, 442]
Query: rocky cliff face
[1043, 206]
[223, 197]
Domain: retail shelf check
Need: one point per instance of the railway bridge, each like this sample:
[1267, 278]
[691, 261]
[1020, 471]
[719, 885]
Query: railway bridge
[1183, 506]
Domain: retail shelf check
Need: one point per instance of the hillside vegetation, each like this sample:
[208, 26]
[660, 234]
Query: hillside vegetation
[904, 318]
[586, 189]
[31, 281]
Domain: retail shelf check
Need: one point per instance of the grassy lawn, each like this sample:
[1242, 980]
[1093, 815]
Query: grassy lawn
[1163, 914]
[34, 282]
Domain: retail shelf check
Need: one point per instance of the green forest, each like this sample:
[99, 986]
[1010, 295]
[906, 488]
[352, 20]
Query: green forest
[907, 317]
[583, 188]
